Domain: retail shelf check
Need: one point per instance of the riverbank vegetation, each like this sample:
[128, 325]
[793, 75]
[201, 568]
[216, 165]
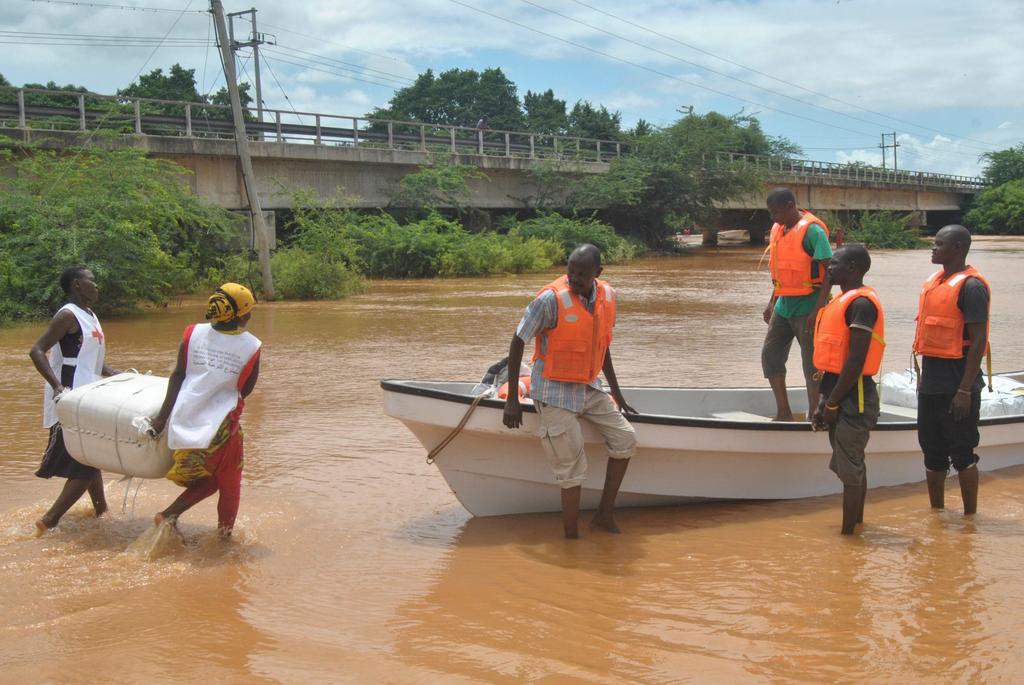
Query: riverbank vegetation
[1000, 208]
[875, 229]
[132, 219]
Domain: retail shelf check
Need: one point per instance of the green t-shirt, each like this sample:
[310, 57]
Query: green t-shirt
[816, 245]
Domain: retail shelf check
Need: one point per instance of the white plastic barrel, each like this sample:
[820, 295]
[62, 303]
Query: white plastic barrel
[97, 421]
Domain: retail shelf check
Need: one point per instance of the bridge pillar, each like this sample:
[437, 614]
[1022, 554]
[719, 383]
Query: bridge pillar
[757, 235]
[710, 237]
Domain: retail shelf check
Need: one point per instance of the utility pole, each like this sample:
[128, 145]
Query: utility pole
[895, 144]
[256, 39]
[242, 146]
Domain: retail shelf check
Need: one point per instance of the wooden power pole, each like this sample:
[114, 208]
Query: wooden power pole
[259, 226]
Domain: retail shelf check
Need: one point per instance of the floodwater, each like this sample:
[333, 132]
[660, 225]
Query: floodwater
[353, 562]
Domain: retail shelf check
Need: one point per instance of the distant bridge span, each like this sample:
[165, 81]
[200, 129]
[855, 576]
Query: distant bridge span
[367, 157]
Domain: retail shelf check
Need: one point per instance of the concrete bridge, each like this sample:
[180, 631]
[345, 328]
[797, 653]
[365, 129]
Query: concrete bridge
[367, 157]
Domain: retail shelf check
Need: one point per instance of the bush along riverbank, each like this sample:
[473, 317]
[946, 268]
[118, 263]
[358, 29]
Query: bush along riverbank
[332, 251]
[878, 229]
[135, 222]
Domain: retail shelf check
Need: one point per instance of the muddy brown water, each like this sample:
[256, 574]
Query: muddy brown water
[353, 562]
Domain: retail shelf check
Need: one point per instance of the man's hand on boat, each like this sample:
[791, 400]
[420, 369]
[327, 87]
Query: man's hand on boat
[824, 415]
[513, 416]
[622, 403]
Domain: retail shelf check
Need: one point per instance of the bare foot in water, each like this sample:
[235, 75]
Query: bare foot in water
[572, 534]
[161, 517]
[41, 528]
[605, 521]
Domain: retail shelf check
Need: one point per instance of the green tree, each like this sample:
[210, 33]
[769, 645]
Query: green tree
[642, 128]
[545, 113]
[1004, 165]
[177, 84]
[999, 209]
[673, 172]
[131, 219]
[457, 97]
[433, 187]
[587, 121]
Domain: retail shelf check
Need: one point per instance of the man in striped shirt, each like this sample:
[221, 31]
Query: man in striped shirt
[577, 299]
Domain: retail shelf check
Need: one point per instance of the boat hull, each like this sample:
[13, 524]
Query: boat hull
[494, 470]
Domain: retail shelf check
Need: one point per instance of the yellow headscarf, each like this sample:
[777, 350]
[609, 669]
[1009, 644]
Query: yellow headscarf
[228, 302]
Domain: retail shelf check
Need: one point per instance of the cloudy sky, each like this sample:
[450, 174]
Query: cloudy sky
[832, 75]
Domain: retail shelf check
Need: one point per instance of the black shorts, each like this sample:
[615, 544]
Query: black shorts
[943, 440]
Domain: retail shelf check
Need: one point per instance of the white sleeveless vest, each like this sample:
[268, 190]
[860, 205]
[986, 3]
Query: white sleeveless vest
[210, 391]
[88, 364]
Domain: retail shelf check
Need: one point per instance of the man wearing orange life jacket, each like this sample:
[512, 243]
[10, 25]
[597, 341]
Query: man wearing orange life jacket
[572, 320]
[849, 339]
[951, 337]
[799, 254]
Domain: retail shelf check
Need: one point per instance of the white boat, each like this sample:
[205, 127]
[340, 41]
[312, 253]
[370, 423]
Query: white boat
[694, 444]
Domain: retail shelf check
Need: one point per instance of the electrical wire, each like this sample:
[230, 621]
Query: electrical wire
[660, 73]
[645, 46]
[330, 42]
[334, 72]
[133, 8]
[384, 74]
[281, 88]
[775, 78]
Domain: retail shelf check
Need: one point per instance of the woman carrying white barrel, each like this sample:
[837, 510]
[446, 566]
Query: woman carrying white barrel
[70, 353]
[218, 364]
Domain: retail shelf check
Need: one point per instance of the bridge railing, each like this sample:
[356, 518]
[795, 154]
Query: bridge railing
[34, 108]
[43, 109]
[807, 169]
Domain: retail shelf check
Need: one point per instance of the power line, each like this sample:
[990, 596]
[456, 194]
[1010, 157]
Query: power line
[281, 88]
[330, 42]
[334, 71]
[660, 73]
[133, 8]
[102, 119]
[384, 74]
[206, 53]
[701, 66]
[774, 78]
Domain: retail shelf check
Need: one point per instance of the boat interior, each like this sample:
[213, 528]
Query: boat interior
[743, 405]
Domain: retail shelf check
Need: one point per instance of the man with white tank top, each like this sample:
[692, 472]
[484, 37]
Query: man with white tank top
[217, 368]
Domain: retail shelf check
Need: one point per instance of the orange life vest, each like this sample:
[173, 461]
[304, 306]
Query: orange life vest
[940, 322]
[832, 334]
[576, 346]
[524, 388]
[791, 268]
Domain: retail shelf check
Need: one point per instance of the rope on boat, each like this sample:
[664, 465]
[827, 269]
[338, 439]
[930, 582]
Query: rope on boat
[432, 455]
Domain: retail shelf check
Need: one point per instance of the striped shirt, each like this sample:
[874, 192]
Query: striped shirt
[541, 315]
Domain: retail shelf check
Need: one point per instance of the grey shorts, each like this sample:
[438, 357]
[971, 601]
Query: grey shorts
[562, 436]
[778, 341]
[849, 436]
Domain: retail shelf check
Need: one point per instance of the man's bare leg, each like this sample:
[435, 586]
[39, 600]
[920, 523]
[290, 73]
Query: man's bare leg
[969, 489]
[570, 511]
[863, 498]
[605, 517]
[782, 409]
[936, 488]
[851, 507]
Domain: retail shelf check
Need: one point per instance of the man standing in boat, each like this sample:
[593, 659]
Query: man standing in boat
[951, 337]
[798, 258]
[572, 320]
[849, 339]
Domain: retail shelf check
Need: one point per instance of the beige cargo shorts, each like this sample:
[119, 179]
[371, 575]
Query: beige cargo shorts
[562, 436]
